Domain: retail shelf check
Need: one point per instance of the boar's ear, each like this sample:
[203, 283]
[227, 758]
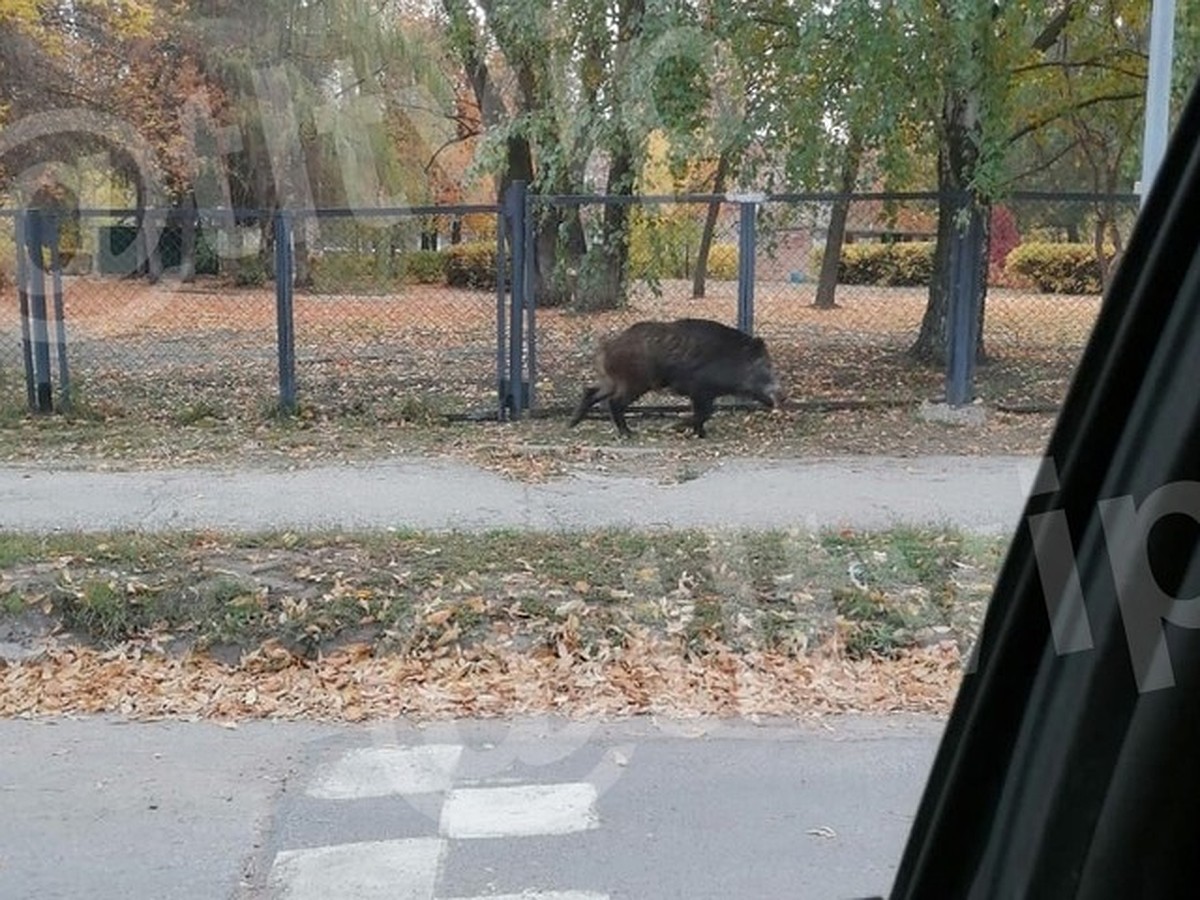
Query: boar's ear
[758, 345]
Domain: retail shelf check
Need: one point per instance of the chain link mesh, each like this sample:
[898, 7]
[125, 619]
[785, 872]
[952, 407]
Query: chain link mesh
[399, 316]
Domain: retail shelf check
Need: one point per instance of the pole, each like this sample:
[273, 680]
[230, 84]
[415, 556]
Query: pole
[24, 280]
[516, 210]
[60, 319]
[747, 237]
[502, 241]
[35, 241]
[526, 275]
[963, 314]
[1158, 91]
[285, 323]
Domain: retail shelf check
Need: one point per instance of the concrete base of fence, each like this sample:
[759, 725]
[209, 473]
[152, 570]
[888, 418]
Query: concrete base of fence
[972, 414]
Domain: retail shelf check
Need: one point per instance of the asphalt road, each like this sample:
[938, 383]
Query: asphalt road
[981, 494]
[537, 809]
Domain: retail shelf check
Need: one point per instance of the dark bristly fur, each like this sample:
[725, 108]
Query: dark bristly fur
[695, 358]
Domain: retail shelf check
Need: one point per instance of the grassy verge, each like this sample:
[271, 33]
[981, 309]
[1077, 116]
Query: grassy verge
[477, 618]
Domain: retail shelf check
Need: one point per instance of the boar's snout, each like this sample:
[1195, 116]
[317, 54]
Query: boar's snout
[771, 392]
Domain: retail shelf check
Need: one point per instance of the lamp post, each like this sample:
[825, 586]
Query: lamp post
[1158, 91]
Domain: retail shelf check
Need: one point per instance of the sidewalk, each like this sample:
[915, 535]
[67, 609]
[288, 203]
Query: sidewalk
[982, 494]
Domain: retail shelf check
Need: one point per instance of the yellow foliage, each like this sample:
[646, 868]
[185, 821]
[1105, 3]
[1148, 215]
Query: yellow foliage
[131, 18]
[657, 177]
[19, 12]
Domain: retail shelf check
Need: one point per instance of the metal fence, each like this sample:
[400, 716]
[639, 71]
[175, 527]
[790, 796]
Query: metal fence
[409, 313]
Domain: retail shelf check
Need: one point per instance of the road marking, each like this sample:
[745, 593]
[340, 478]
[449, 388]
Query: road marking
[375, 870]
[540, 895]
[385, 771]
[519, 811]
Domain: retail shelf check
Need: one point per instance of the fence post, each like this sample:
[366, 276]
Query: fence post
[42, 380]
[527, 273]
[60, 319]
[22, 231]
[515, 208]
[502, 275]
[966, 245]
[747, 250]
[284, 313]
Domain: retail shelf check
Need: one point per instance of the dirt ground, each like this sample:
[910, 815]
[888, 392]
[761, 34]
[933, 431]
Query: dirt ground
[133, 344]
[190, 373]
[530, 450]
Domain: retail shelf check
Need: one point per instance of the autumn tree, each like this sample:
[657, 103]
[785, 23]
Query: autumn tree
[1006, 75]
[572, 91]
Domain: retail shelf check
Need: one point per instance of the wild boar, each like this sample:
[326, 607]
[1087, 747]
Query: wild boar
[696, 358]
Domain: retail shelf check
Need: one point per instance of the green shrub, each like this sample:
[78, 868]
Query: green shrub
[656, 249]
[906, 264]
[471, 265]
[669, 251]
[342, 272]
[723, 262]
[8, 255]
[425, 267]
[912, 264]
[377, 272]
[664, 243]
[1059, 268]
[207, 261]
[249, 271]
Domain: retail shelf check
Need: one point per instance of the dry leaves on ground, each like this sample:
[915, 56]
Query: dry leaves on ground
[353, 684]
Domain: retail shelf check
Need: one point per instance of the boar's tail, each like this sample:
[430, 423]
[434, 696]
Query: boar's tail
[591, 396]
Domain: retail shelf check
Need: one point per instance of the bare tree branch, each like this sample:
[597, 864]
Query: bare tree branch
[1054, 28]
[1043, 121]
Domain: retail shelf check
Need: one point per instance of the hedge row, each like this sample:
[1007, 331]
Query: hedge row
[1057, 268]
[647, 261]
[908, 264]
[1061, 268]
[1051, 267]
[473, 265]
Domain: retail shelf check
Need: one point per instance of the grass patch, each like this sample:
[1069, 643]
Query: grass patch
[586, 593]
[11, 604]
[199, 413]
[12, 407]
[98, 610]
[357, 273]
[908, 585]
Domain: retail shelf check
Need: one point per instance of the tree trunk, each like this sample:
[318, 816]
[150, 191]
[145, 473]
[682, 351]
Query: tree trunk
[700, 276]
[302, 274]
[605, 275]
[558, 257]
[836, 237]
[266, 246]
[154, 263]
[615, 246]
[956, 166]
[187, 240]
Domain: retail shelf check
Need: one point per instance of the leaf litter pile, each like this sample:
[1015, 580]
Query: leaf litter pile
[364, 626]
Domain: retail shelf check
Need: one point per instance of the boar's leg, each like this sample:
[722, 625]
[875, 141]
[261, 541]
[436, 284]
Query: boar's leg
[591, 396]
[702, 410]
[617, 405]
